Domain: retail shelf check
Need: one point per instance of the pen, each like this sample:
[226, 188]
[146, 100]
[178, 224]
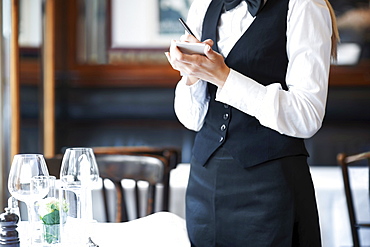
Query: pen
[186, 27]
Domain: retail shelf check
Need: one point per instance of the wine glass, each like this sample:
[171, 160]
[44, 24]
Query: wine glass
[28, 181]
[78, 172]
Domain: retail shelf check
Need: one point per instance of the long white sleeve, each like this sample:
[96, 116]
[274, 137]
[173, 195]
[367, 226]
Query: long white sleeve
[191, 103]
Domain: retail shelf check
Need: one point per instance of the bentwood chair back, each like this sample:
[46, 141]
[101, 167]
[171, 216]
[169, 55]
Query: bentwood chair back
[345, 161]
[117, 167]
[171, 155]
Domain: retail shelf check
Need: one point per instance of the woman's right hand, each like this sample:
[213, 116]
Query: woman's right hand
[179, 60]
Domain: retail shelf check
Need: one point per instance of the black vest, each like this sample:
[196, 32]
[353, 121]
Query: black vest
[261, 55]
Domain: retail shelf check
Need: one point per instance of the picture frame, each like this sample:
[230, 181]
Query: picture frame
[146, 23]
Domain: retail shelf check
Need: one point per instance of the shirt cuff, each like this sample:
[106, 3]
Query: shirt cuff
[197, 90]
[242, 93]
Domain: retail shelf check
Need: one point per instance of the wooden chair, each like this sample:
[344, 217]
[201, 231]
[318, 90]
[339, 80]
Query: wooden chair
[345, 161]
[117, 167]
[170, 154]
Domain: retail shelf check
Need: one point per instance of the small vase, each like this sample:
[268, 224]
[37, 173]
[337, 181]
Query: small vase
[52, 234]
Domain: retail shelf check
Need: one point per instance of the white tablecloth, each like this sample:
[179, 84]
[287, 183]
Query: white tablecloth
[161, 229]
[330, 196]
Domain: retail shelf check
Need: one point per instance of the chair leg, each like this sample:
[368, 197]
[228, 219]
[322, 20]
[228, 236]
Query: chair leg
[350, 206]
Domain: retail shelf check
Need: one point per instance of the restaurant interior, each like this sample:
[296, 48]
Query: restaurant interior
[92, 73]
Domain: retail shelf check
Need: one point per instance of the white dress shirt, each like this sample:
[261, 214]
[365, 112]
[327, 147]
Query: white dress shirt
[297, 112]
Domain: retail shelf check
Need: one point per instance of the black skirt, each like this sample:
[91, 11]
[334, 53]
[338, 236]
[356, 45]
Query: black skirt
[271, 204]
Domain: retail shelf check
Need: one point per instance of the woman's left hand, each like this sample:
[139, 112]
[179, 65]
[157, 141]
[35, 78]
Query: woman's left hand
[210, 67]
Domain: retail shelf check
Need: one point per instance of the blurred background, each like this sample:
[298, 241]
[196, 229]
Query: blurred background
[93, 73]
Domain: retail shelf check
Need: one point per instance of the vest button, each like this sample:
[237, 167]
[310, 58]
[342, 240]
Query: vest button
[221, 139]
[225, 116]
[226, 106]
[223, 127]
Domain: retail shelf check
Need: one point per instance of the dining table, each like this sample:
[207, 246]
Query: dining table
[161, 229]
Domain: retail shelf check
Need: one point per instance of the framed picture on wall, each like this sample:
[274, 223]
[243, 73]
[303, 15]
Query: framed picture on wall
[140, 31]
[146, 23]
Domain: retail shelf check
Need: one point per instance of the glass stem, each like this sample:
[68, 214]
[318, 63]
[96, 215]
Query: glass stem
[78, 199]
[30, 217]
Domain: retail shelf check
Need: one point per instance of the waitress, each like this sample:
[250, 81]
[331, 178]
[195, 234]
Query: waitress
[256, 94]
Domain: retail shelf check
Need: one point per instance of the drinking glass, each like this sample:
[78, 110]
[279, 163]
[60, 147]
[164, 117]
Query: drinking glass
[28, 182]
[78, 173]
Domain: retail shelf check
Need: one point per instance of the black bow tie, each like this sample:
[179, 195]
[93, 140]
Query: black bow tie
[253, 5]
